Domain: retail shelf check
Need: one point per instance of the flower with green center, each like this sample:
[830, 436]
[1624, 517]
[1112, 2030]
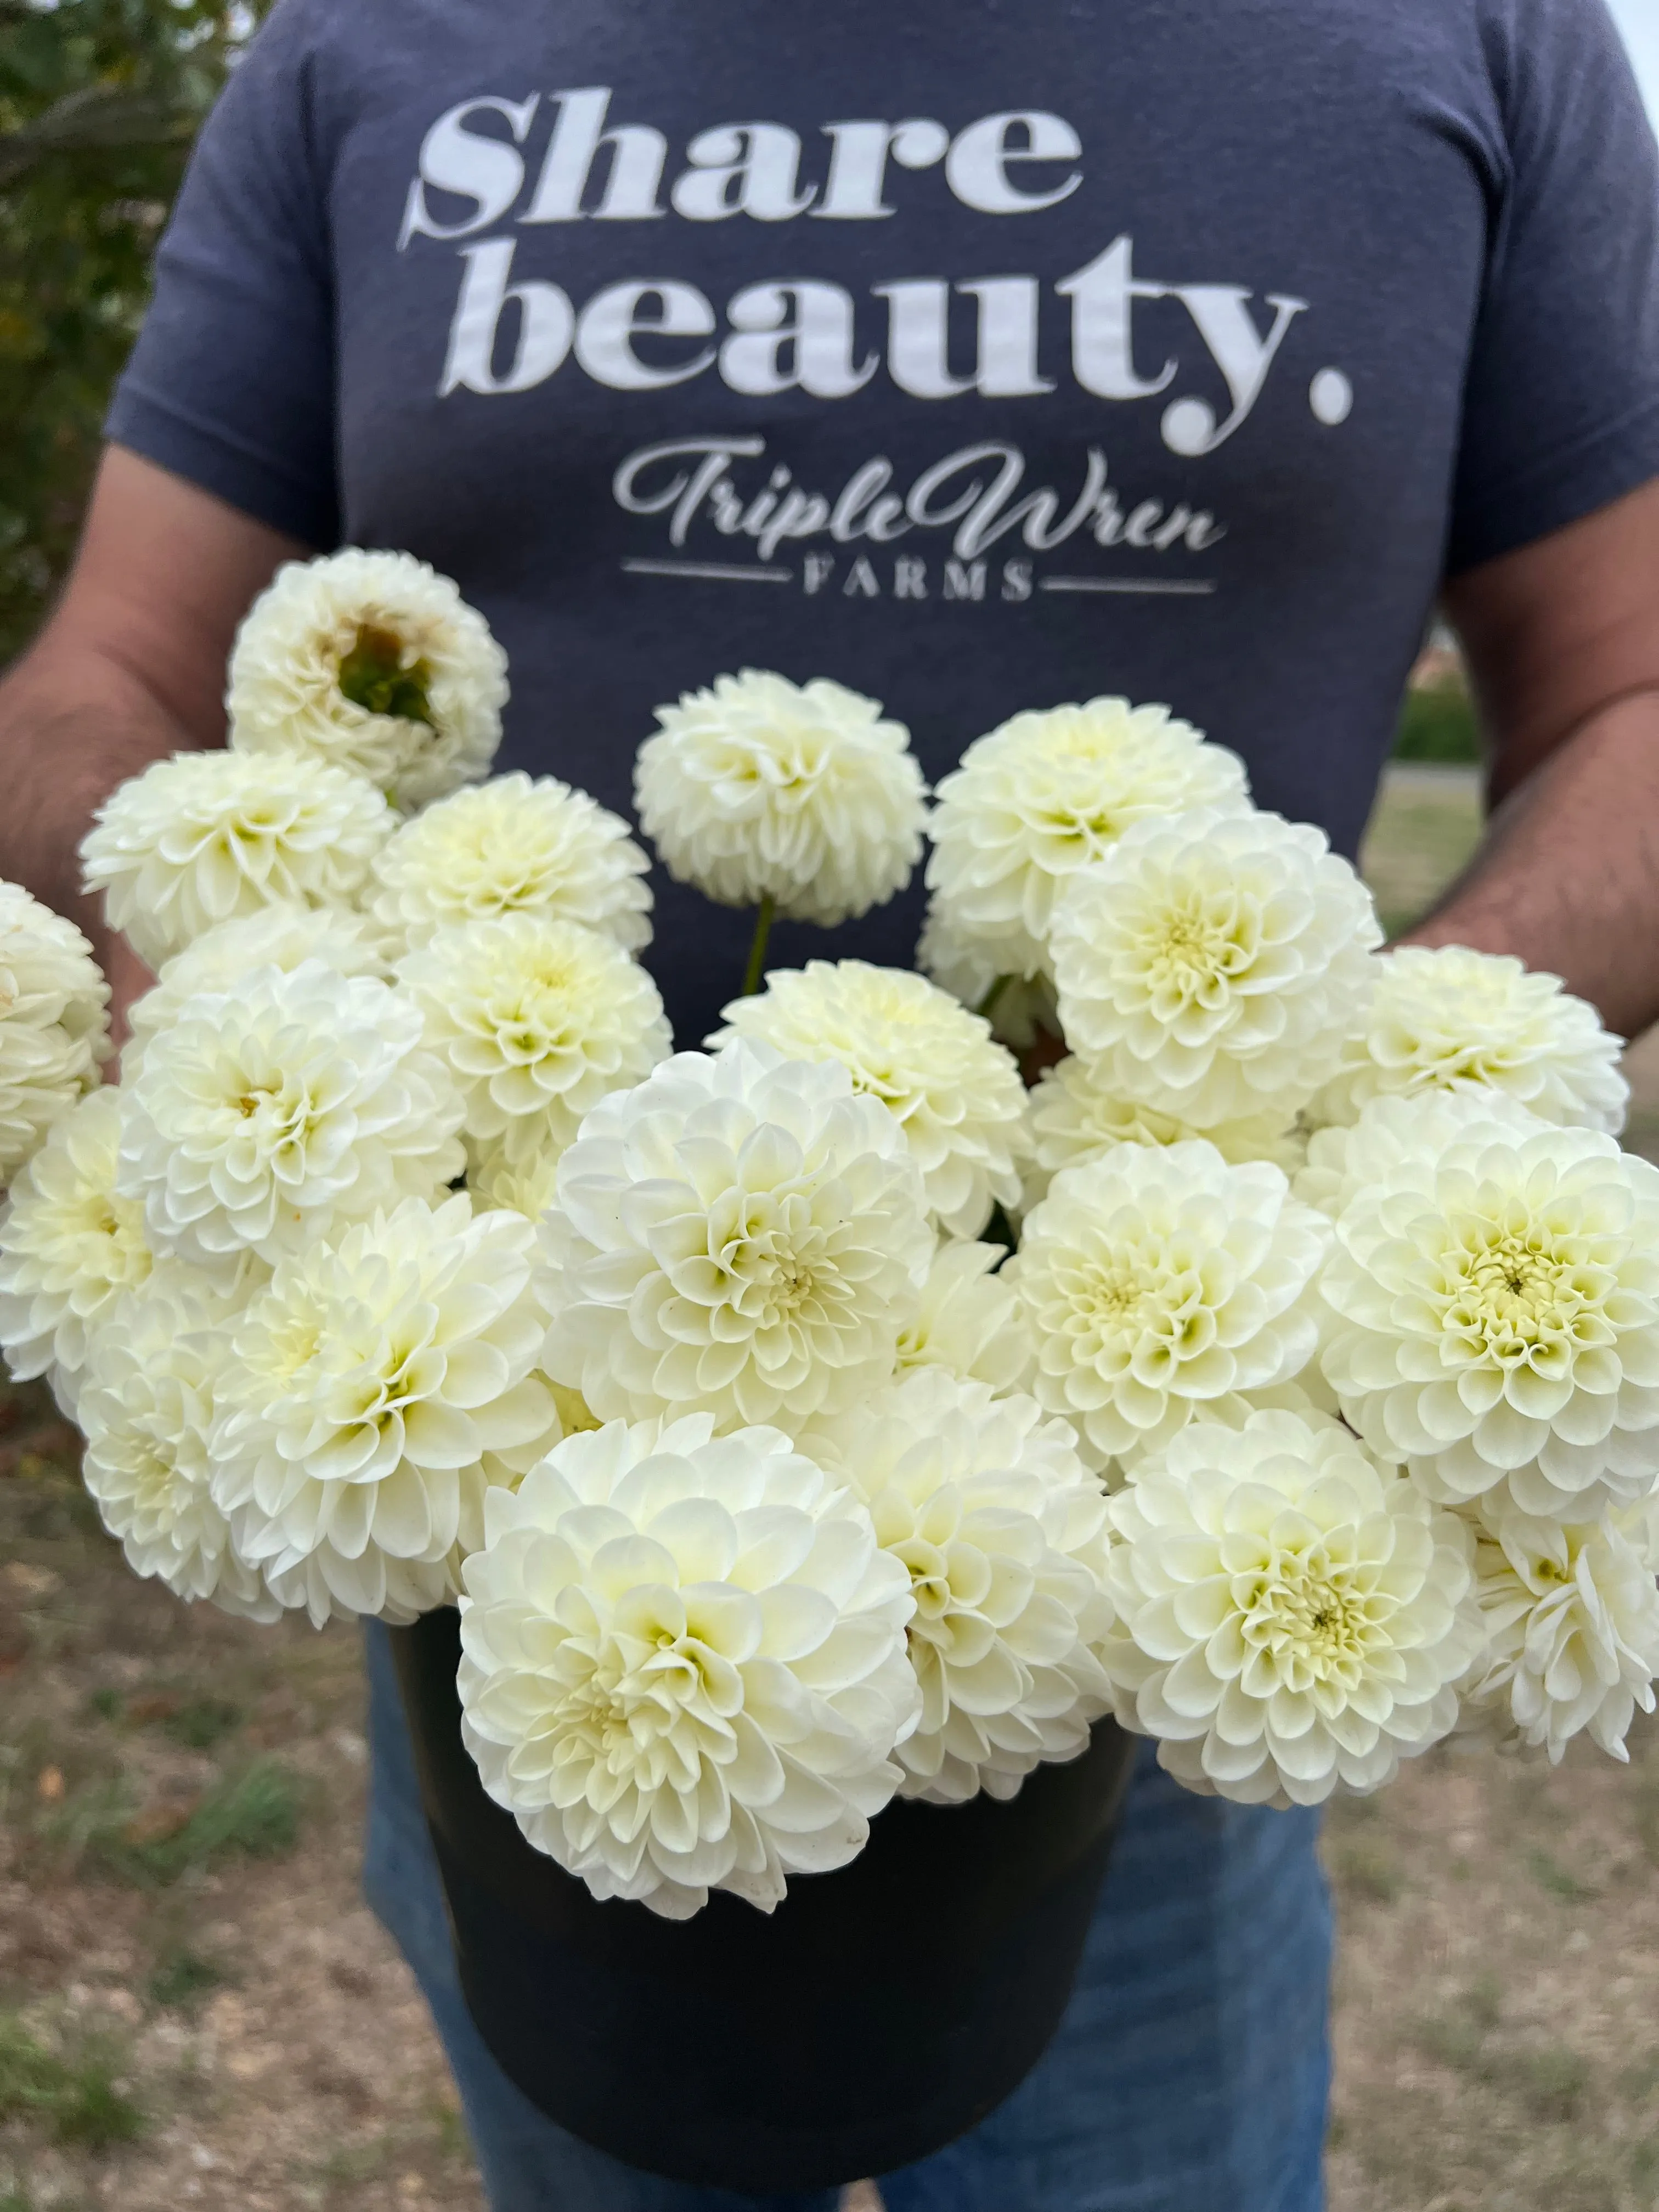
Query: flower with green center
[368, 1389]
[1290, 1616]
[739, 1235]
[991, 1513]
[1451, 1020]
[1496, 1298]
[1155, 1282]
[1212, 966]
[373, 662]
[683, 1663]
[955, 1092]
[1572, 1611]
[205, 838]
[1047, 793]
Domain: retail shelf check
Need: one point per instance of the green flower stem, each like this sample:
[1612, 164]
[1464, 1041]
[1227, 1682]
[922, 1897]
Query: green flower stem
[755, 974]
[988, 1005]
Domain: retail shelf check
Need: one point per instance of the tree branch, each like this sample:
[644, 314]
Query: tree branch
[91, 121]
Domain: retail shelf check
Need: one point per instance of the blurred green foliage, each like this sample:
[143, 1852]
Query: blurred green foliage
[98, 101]
[1438, 723]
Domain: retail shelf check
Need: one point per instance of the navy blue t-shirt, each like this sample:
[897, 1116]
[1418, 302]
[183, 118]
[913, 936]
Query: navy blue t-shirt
[981, 356]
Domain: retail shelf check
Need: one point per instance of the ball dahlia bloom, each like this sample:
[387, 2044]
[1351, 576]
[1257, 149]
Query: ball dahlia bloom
[1210, 966]
[1447, 1018]
[512, 846]
[146, 1411]
[280, 936]
[1571, 1615]
[741, 1236]
[1046, 793]
[955, 1092]
[987, 1506]
[1074, 1121]
[761, 789]
[968, 1321]
[54, 1023]
[1290, 1616]
[374, 663]
[269, 1114]
[536, 1020]
[366, 1387]
[683, 1664]
[1497, 1303]
[1157, 1281]
[206, 837]
[70, 1248]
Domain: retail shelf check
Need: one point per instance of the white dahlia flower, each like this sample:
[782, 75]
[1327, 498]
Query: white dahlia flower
[270, 1113]
[513, 847]
[1345, 1160]
[987, 1508]
[206, 837]
[70, 1249]
[54, 1023]
[975, 970]
[682, 1664]
[374, 662]
[1445, 1018]
[1290, 1616]
[1046, 793]
[364, 1388]
[742, 1235]
[761, 789]
[1571, 1615]
[956, 1094]
[1156, 1280]
[1498, 1301]
[1212, 966]
[146, 1411]
[1074, 1121]
[280, 936]
[536, 1020]
[969, 1321]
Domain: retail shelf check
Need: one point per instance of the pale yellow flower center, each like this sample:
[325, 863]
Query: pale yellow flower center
[1191, 950]
[1512, 1295]
[1302, 1614]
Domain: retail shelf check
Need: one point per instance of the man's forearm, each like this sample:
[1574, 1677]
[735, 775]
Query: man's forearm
[1567, 876]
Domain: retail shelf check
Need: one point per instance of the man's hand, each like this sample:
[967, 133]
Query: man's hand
[1562, 639]
[130, 667]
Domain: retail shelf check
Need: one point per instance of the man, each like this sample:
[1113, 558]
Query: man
[979, 359]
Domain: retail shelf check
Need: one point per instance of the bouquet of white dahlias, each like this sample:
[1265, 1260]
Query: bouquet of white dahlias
[820, 1416]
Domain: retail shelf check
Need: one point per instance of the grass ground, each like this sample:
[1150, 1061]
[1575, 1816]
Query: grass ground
[196, 2011]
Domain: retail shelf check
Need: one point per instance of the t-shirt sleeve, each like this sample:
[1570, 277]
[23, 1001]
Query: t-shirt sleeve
[1561, 407]
[232, 382]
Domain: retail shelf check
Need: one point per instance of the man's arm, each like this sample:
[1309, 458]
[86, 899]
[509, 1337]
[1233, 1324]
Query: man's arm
[130, 667]
[1562, 639]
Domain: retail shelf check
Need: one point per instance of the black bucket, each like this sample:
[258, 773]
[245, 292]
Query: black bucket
[879, 2013]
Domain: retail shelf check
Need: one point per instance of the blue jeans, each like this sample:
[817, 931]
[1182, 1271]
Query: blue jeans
[1189, 2074]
